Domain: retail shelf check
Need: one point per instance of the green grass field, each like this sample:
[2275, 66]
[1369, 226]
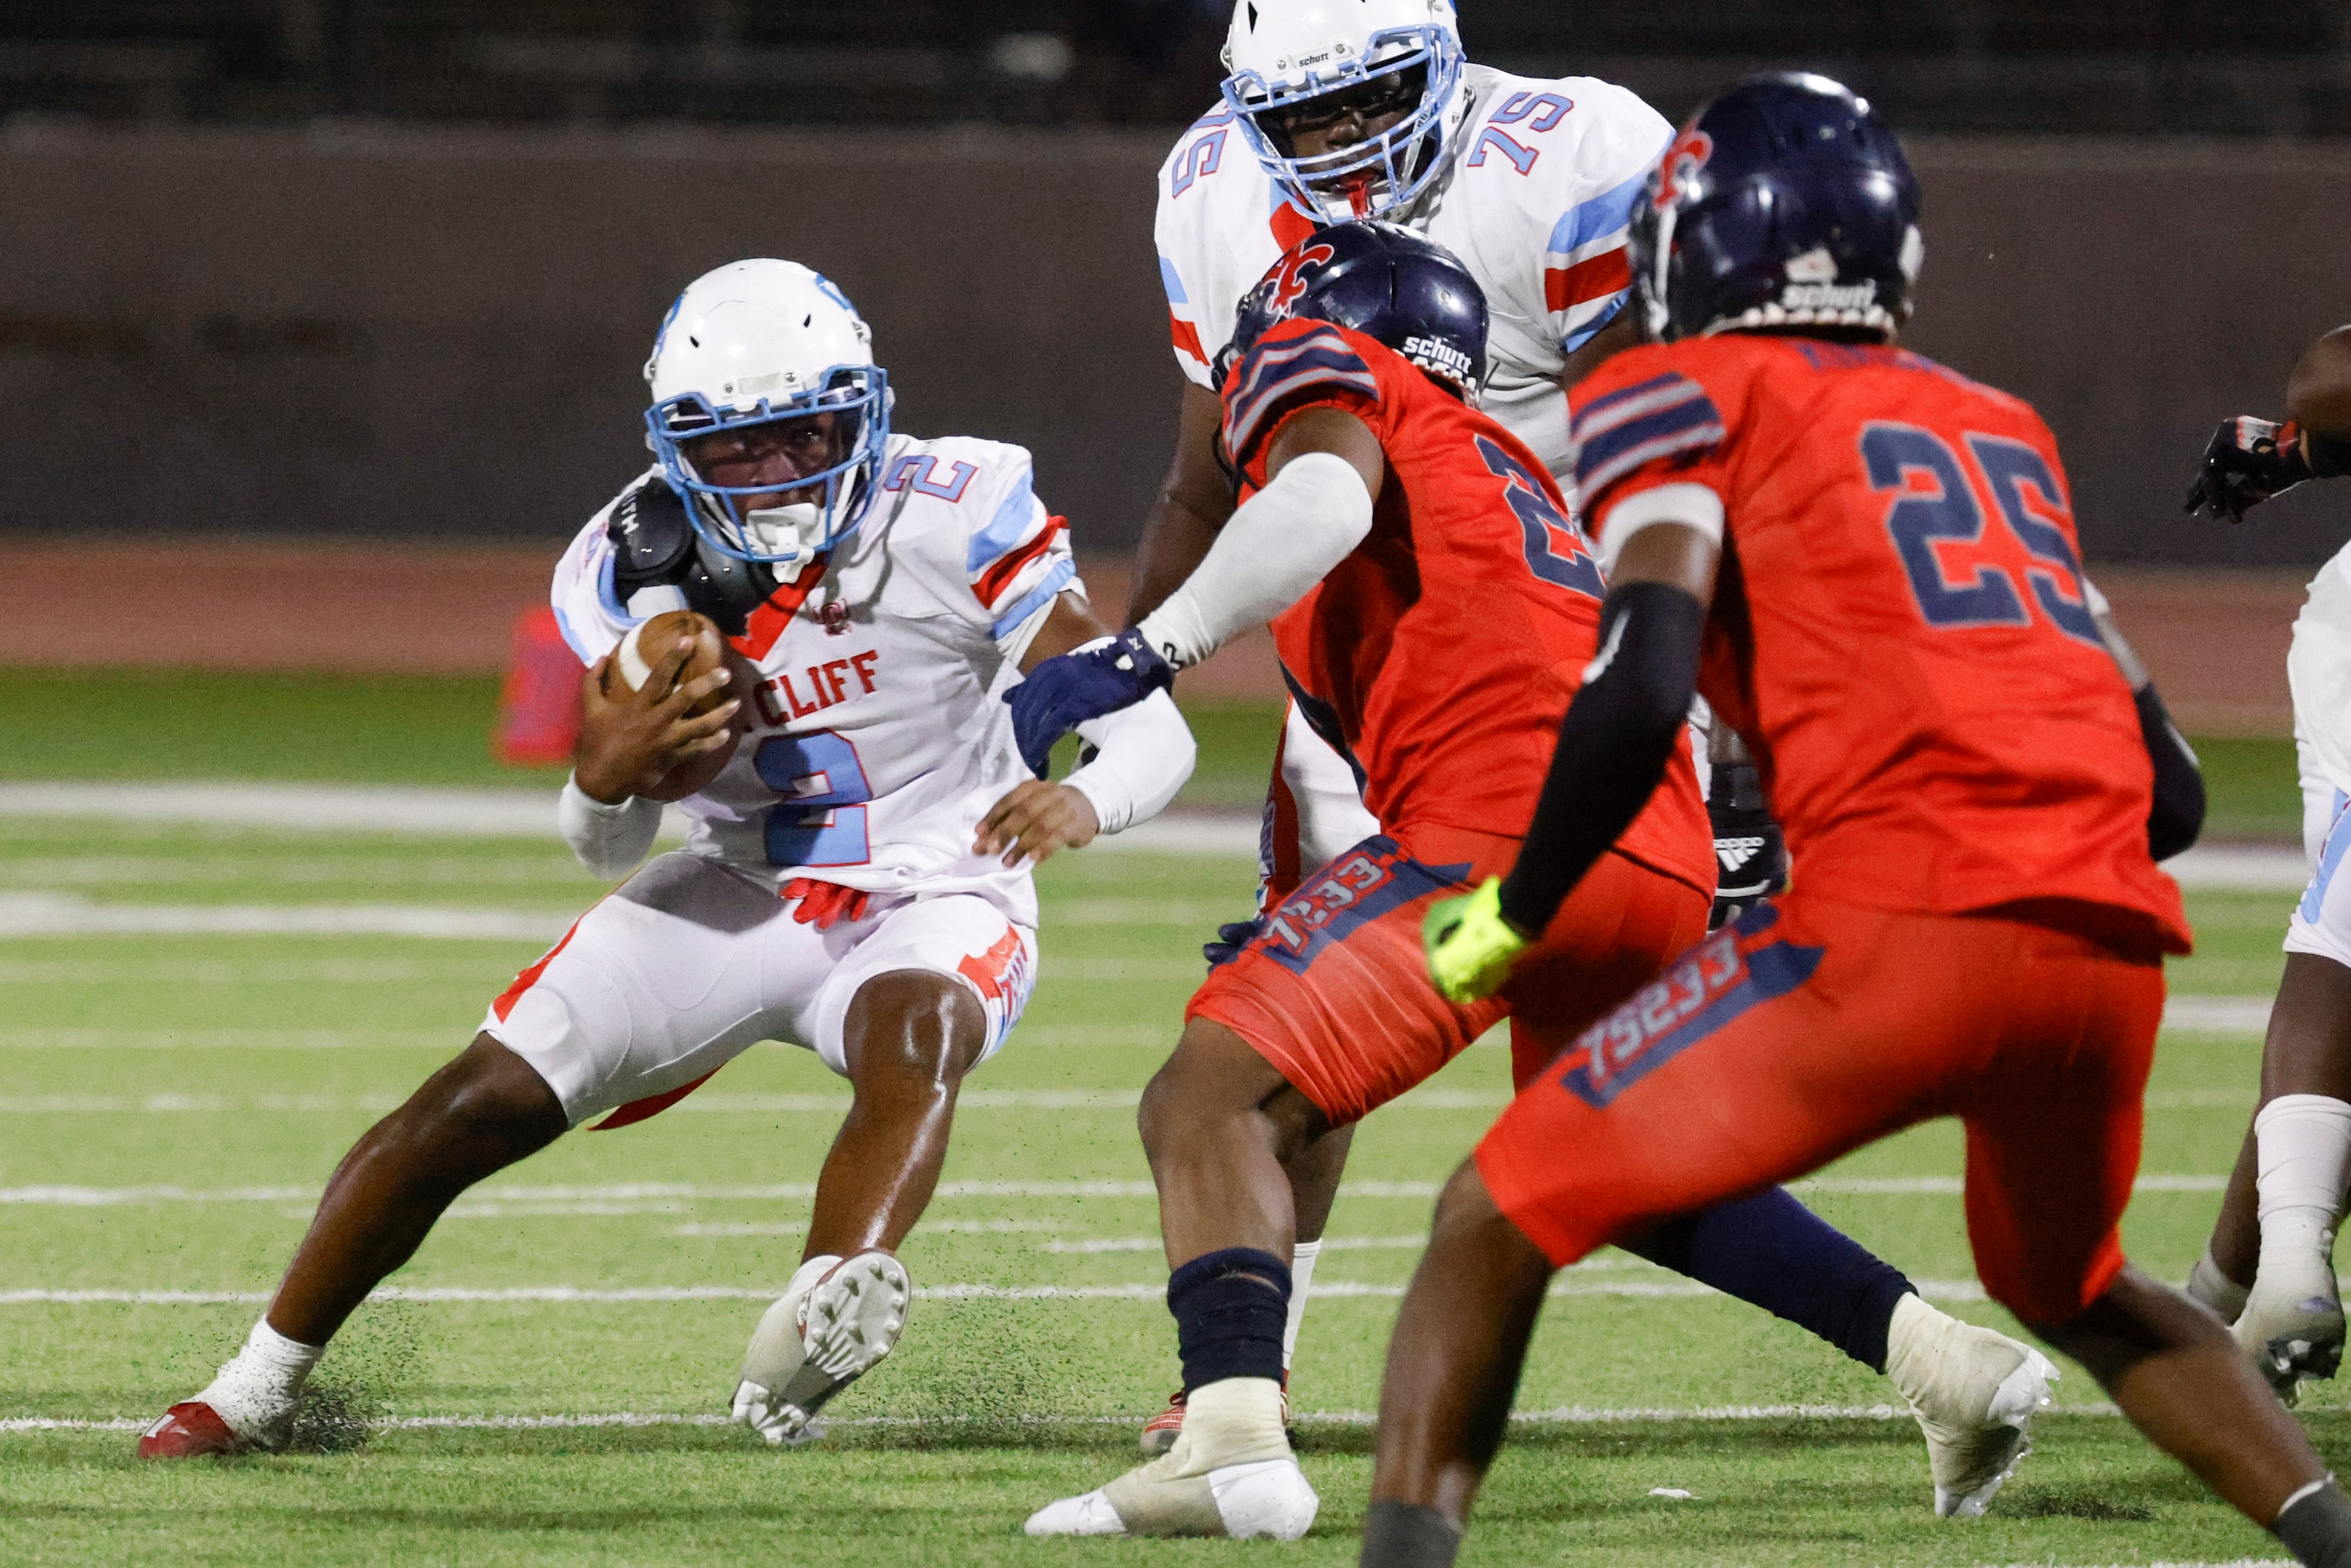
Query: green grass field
[172, 1103]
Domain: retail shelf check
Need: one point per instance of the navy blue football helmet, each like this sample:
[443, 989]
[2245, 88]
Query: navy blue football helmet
[1785, 202]
[1384, 281]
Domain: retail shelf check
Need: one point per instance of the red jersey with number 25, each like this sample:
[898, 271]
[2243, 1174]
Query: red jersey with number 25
[1441, 654]
[1901, 630]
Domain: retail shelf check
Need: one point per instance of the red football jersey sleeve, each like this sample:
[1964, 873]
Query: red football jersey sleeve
[1441, 655]
[1901, 629]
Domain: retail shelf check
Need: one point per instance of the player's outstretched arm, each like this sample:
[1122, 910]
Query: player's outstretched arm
[2250, 459]
[1324, 473]
[1325, 470]
[1141, 754]
[1613, 745]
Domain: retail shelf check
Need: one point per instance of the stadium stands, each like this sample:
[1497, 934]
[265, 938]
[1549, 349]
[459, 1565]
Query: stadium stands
[2172, 66]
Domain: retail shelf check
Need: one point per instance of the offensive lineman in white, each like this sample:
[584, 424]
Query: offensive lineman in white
[857, 878]
[1350, 109]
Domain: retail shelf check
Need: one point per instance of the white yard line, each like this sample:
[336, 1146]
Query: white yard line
[461, 813]
[2241, 868]
[36, 914]
[578, 1295]
[1569, 1416]
[30, 915]
[74, 1196]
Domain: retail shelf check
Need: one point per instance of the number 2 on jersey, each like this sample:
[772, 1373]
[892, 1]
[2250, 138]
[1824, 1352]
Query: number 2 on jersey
[1542, 523]
[822, 819]
[2024, 493]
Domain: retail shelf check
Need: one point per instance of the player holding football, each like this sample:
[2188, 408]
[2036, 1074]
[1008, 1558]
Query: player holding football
[856, 881]
[1367, 109]
[1433, 606]
[2269, 1269]
[1867, 562]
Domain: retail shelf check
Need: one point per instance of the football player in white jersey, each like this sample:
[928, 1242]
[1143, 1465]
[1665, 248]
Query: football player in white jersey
[2269, 1266]
[856, 880]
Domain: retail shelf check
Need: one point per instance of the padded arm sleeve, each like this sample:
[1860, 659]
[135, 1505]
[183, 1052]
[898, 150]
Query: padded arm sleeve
[2176, 815]
[1142, 755]
[608, 840]
[1619, 734]
[1281, 542]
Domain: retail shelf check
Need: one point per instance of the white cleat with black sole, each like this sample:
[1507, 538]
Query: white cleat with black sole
[833, 1323]
[1975, 1392]
[2293, 1323]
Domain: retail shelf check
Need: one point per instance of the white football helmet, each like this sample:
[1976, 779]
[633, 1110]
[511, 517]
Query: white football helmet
[763, 342]
[1284, 53]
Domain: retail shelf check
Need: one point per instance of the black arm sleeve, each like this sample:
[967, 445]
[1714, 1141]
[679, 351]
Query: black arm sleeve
[1619, 734]
[2178, 814]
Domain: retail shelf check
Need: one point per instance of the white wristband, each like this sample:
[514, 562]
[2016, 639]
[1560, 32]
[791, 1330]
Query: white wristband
[1282, 542]
[1143, 754]
[609, 840]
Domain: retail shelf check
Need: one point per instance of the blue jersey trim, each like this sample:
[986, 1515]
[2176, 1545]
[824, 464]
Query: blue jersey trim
[1036, 599]
[1171, 282]
[1601, 214]
[1590, 329]
[1004, 530]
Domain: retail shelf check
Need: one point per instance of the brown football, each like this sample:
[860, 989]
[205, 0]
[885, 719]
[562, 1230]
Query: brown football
[644, 650]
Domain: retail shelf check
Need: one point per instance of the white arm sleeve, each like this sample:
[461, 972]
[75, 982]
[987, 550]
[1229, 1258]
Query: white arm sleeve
[1282, 541]
[609, 840]
[1143, 754]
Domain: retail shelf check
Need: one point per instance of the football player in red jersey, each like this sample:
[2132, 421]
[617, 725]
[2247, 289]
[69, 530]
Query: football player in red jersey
[1867, 564]
[1433, 607]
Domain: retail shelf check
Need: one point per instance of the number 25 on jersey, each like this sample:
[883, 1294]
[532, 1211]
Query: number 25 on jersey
[1954, 590]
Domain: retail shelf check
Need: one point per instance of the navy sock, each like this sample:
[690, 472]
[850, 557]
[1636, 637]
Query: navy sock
[1771, 1251]
[1230, 1307]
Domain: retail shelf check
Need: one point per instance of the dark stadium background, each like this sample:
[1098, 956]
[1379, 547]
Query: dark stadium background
[385, 270]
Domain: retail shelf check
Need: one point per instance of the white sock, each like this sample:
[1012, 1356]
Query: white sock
[1302, 1275]
[256, 1391]
[1232, 1421]
[2303, 1144]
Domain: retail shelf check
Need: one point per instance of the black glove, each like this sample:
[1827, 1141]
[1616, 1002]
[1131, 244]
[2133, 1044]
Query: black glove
[2248, 461]
[1751, 862]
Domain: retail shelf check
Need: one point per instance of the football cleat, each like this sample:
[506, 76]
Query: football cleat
[1159, 1433]
[1974, 1392]
[191, 1429]
[2215, 1289]
[816, 1339]
[1259, 1500]
[2293, 1323]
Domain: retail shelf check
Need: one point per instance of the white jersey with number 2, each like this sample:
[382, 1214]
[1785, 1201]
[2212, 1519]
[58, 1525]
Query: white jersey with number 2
[879, 735]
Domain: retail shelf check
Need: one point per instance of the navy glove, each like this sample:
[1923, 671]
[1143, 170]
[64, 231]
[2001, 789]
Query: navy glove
[2247, 461]
[1230, 939]
[1064, 692]
[1751, 862]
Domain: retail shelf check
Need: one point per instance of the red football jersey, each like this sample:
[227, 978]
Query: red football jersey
[1901, 630]
[1441, 654]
